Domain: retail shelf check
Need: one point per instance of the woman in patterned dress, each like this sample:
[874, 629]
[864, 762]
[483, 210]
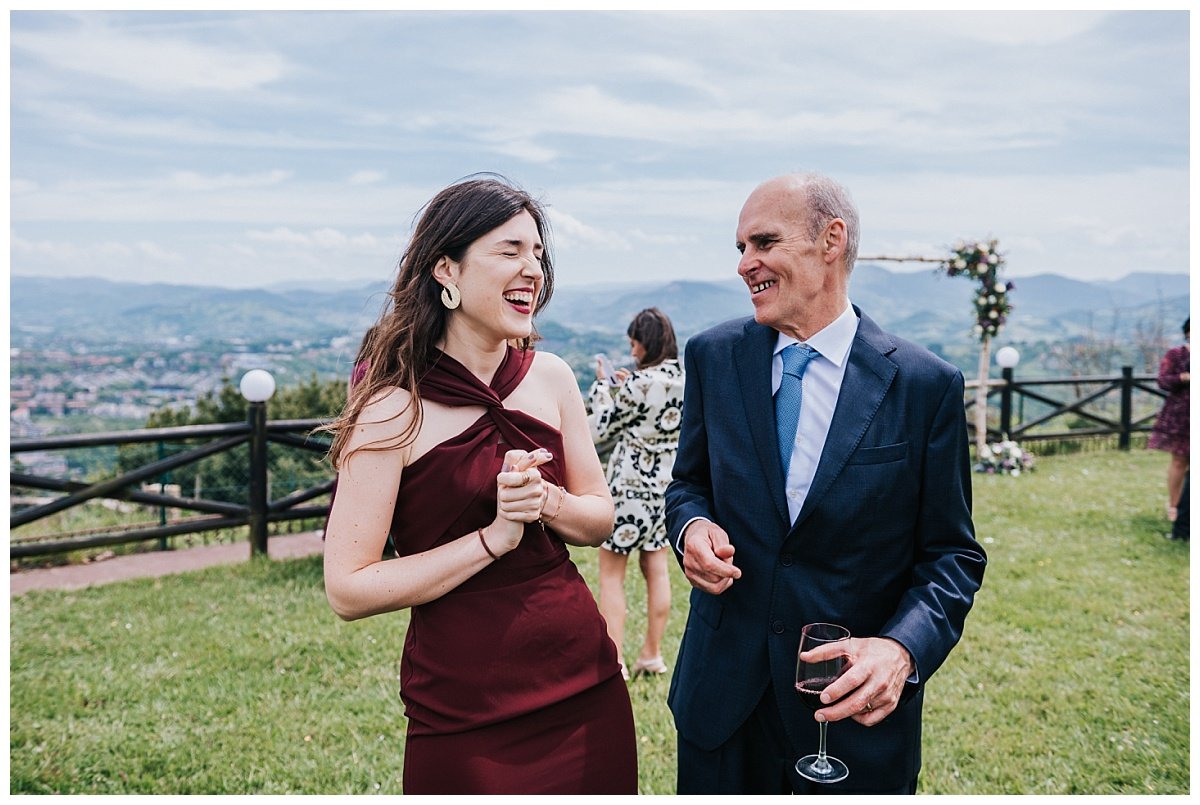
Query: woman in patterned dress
[1171, 429]
[643, 414]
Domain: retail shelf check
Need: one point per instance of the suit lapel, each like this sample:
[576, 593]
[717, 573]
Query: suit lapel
[752, 359]
[869, 375]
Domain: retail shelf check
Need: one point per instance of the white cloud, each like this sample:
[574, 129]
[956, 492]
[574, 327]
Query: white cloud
[662, 238]
[157, 253]
[1001, 27]
[688, 73]
[569, 231]
[644, 132]
[1099, 226]
[280, 234]
[1035, 247]
[366, 177]
[595, 112]
[88, 254]
[326, 238]
[190, 180]
[1101, 232]
[56, 251]
[523, 149]
[673, 201]
[154, 63]
[152, 127]
[258, 200]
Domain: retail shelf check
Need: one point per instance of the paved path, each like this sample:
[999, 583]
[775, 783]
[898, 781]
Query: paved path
[157, 563]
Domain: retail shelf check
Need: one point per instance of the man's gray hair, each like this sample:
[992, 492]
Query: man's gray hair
[826, 200]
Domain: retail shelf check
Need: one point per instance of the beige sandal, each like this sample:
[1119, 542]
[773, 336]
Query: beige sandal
[654, 665]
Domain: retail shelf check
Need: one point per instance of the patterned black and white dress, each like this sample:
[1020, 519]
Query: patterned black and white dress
[643, 414]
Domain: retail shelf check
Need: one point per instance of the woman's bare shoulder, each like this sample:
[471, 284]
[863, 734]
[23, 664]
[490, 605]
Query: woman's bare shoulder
[551, 368]
[388, 413]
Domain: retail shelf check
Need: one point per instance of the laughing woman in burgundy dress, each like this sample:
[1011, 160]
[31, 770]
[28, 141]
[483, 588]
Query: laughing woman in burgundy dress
[474, 452]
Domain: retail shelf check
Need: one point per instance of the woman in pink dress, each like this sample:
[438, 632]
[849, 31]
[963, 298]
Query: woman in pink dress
[1171, 430]
[474, 452]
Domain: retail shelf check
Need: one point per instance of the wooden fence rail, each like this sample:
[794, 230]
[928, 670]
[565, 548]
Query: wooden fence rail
[256, 514]
[1089, 399]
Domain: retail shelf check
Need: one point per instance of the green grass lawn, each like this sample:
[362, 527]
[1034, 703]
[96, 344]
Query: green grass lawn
[1072, 676]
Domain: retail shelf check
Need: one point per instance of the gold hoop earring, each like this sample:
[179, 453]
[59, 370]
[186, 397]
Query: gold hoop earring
[451, 296]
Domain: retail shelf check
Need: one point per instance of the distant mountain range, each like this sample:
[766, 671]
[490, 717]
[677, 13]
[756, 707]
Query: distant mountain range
[94, 310]
[925, 307]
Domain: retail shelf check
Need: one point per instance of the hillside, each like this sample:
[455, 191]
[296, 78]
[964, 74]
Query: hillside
[922, 306]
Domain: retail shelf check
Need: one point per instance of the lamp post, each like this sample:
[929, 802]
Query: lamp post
[1008, 358]
[257, 386]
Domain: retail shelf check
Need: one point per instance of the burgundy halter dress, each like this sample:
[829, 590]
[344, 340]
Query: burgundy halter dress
[510, 682]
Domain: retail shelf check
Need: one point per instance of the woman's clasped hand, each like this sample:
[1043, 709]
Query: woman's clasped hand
[521, 495]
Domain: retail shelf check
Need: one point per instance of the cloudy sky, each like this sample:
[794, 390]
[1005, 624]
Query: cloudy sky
[245, 149]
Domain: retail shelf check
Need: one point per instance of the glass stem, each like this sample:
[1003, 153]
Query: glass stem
[821, 764]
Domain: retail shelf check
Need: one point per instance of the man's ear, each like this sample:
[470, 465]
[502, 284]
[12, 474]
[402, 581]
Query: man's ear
[834, 244]
[445, 270]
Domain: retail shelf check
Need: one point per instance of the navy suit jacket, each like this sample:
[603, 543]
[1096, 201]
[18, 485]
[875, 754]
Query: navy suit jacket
[884, 543]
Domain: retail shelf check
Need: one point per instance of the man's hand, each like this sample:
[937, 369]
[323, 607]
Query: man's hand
[874, 676]
[708, 557]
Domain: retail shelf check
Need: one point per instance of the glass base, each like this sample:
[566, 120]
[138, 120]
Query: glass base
[822, 769]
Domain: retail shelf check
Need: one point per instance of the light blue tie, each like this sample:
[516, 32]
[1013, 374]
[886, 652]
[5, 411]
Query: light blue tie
[787, 399]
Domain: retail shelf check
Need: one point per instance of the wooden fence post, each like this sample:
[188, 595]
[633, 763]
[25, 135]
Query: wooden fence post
[1123, 440]
[1006, 403]
[981, 397]
[164, 543]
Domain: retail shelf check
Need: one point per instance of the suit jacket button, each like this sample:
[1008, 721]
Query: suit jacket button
[777, 627]
[786, 560]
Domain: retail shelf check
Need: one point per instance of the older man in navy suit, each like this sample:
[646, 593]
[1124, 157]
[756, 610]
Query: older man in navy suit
[851, 506]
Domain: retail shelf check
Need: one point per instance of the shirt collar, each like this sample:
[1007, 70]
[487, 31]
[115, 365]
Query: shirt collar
[833, 342]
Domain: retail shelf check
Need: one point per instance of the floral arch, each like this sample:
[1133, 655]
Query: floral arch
[979, 260]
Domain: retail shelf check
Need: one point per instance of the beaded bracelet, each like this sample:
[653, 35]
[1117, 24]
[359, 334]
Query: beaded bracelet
[485, 546]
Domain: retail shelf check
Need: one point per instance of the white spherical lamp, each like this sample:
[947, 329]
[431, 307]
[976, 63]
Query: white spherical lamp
[1007, 357]
[257, 385]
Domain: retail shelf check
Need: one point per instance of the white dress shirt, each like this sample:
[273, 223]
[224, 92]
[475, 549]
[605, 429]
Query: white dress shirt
[822, 382]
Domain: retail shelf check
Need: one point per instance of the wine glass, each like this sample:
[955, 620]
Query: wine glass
[811, 679]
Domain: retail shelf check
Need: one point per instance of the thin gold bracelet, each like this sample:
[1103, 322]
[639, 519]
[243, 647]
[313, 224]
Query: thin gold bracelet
[562, 493]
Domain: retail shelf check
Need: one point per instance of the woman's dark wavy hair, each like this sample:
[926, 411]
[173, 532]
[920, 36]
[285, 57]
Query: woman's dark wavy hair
[652, 329]
[401, 346]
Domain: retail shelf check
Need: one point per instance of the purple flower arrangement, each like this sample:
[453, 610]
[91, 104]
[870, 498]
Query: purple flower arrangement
[1004, 458]
[982, 262]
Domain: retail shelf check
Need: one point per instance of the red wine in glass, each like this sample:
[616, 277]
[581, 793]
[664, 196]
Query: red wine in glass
[810, 691]
[812, 678]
